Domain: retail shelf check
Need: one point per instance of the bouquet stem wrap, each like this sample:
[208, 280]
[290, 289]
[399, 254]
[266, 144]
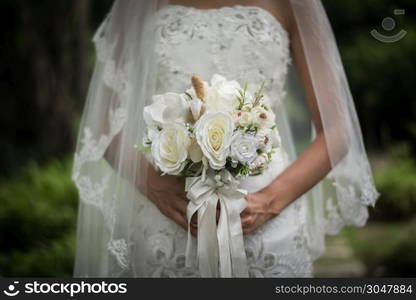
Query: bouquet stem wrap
[220, 249]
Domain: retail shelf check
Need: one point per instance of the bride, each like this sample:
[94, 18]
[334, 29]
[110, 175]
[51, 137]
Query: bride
[132, 220]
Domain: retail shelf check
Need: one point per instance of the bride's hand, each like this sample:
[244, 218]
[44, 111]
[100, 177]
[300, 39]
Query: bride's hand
[259, 210]
[168, 194]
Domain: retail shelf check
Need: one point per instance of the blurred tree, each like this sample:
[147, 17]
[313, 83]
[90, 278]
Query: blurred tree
[83, 33]
[381, 75]
[45, 54]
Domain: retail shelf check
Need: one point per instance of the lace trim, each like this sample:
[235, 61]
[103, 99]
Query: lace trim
[369, 194]
[114, 76]
[351, 207]
[119, 249]
[103, 48]
[92, 192]
[92, 150]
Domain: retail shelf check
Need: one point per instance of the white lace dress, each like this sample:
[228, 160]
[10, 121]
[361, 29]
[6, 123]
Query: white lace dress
[249, 45]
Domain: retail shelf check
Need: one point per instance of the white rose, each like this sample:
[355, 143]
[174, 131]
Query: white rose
[222, 94]
[214, 132]
[166, 108]
[170, 148]
[243, 147]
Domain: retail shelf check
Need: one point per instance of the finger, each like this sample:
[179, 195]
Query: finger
[194, 219]
[180, 213]
[249, 226]
[181, 206]
[245, 213]
[218, 213]
[178, 218]
[194, 224]
[178, 204]
[247, 221]
[248, 230]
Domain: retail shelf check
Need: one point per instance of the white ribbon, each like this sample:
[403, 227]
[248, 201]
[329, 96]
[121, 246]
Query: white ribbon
[220, 250]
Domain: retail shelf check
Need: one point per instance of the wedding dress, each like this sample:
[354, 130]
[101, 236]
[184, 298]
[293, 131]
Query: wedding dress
[246, 44]
[243, 43]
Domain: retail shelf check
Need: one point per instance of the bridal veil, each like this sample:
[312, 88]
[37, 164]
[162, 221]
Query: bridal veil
[108, 171]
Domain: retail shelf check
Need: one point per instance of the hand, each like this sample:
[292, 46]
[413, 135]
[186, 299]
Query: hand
[259, 210]
[167, 193]
[194, 220]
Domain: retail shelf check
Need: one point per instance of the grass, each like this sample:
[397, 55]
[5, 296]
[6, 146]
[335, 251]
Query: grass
[37, 221]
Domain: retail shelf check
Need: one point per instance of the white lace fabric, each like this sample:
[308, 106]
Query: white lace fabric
[244, 43]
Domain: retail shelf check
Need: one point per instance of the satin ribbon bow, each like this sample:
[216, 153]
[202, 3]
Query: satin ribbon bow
[220, 249]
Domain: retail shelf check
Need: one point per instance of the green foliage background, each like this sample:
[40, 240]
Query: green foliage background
[46, 58]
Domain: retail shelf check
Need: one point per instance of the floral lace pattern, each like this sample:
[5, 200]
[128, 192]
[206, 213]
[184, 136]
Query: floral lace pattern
[244, 43]
[120, 251]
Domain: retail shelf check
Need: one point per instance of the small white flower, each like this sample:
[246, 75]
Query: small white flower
[242, 118]
[259, 163]
[248, 106]
[264, 139]
[262, 117]
[170, 148]
[214, 132]
[243, 147]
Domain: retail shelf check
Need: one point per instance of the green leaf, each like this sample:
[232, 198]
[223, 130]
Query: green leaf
[144, 148]
[258, 95]
[189, 95]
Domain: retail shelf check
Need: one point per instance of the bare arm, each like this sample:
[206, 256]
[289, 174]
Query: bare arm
[311, 167]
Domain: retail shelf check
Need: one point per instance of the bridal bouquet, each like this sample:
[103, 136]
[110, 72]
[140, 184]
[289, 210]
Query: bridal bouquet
[214, 135]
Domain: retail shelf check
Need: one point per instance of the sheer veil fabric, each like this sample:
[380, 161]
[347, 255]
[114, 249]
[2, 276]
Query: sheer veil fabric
[111, 175]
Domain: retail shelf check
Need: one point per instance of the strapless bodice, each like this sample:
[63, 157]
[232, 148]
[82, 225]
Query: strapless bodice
[244, 43]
